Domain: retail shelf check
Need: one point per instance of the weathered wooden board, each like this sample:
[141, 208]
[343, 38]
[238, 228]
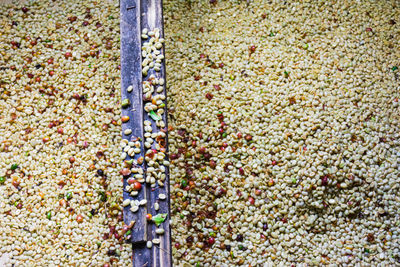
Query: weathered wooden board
[131, 74]
[136, 15]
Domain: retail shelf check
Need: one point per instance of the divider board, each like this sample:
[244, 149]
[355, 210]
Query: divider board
[136, 15]
[131, 75]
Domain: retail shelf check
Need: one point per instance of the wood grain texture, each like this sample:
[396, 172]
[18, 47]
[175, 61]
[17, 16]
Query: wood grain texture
[136, 15]
[131, 74]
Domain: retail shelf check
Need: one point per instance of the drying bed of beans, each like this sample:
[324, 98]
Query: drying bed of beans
[60, 134]
[284, 132]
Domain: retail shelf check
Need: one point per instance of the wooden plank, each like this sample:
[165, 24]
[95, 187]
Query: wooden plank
[160, 255]
[131, 75]
[139, 14]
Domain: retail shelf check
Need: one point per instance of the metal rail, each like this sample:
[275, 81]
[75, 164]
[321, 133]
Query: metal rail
[136, 15]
